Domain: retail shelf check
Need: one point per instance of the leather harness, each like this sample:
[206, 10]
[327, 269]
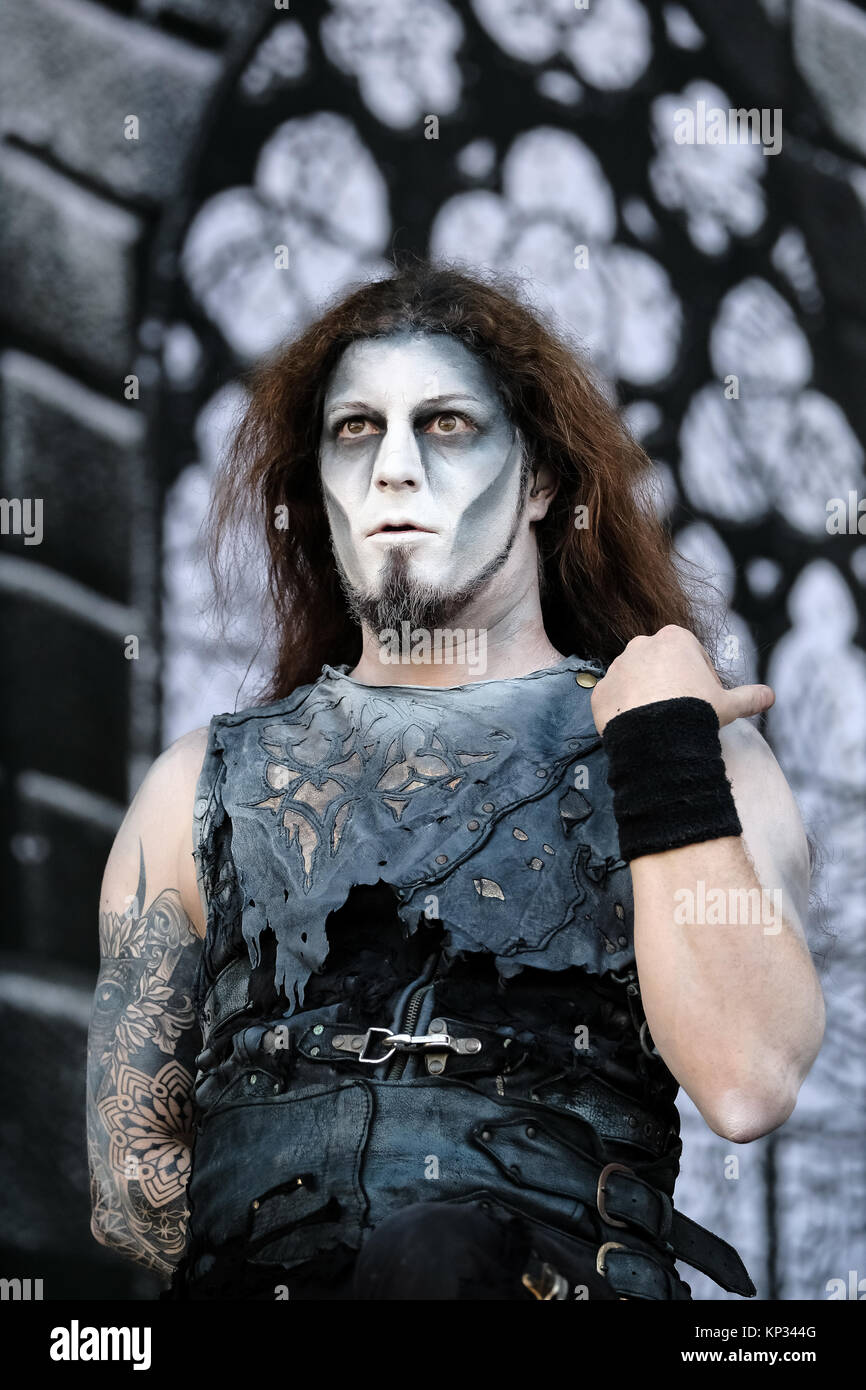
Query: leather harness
[523, 1147]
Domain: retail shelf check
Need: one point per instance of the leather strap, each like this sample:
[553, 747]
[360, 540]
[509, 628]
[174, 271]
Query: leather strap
[226, 997]
[331, 1042]
[635, 1274]
[532, 1156]
[611, 1115]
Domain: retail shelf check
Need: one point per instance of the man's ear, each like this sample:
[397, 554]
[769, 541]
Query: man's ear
[544, 485]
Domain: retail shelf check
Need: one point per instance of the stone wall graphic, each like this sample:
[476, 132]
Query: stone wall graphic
[153, 156]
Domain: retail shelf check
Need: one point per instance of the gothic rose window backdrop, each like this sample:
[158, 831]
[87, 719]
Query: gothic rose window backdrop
[510, 135]
[718, 288]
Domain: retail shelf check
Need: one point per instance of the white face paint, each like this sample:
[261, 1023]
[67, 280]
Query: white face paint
[414, 431]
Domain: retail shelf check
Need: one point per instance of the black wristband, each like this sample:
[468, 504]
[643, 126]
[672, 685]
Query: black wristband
[668, 777]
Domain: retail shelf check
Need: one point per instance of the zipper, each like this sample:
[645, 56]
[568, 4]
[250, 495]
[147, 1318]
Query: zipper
[407, 1025]
[410, 1014]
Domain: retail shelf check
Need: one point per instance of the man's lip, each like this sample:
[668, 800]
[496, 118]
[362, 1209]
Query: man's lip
[394, 527]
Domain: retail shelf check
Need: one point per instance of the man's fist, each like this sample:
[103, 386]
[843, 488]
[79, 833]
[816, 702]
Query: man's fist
[670, 664]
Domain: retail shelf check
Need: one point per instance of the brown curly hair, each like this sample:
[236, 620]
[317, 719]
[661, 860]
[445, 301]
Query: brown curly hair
[600, 586]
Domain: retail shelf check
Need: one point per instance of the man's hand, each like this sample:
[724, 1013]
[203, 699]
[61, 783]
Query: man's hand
[670, 664]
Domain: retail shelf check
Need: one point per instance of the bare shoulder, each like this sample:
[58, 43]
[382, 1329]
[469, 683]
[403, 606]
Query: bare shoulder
[167, 791]
[179, 765]
[158, 827]
[772, 825]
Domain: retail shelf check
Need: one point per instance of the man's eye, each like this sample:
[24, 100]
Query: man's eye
[449, 423]
[353, 427]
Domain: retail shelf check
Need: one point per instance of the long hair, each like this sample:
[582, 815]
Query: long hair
[606, 562]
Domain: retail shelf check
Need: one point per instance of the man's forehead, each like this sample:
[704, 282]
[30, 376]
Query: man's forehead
[408, 365]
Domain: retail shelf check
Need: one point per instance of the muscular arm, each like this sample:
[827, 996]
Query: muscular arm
[732, 999]
[143, 1036]
[736, 1010]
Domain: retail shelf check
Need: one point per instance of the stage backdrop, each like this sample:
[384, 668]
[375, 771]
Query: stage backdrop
[184, 181]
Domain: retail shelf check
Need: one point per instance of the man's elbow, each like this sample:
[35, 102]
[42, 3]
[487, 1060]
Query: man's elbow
[743, 1115]
[746, 1110]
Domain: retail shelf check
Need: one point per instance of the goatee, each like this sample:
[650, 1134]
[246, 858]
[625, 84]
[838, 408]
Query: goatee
[402, 599]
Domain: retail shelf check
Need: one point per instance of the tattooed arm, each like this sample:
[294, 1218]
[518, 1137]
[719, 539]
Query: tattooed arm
[144, 1036]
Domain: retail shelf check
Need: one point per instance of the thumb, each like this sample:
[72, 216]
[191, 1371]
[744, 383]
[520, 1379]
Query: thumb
[745, 700]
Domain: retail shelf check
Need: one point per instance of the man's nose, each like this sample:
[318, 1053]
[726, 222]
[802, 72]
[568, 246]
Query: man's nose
[398, 458]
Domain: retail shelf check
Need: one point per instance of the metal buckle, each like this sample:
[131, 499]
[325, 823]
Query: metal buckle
[644, 1032]
[385, 1033]
[599, 1194]
[602, 1251]
[409, 1041]
[413, 1040]
[599, 1261]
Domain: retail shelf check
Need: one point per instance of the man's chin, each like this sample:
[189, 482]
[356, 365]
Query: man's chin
[422, 606]
[399, 595]
[396, 595]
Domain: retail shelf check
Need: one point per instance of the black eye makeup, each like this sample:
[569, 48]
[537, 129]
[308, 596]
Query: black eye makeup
[470, 424]
[352, 420]
[455, 415]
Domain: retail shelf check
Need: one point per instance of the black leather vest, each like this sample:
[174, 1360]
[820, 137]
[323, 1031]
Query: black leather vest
[419, 983]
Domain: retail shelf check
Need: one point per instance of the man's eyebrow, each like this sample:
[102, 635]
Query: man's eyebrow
[450, 396]
[348, 405]
[428, 400]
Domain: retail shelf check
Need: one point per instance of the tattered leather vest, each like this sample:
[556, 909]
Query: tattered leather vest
[418, 983]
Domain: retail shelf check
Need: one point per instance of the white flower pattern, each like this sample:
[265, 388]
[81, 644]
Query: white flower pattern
[402, 54]
[555, 198]
[716, 187]
[690, 262]
[317, 192]
[779, 445]
[608, 41]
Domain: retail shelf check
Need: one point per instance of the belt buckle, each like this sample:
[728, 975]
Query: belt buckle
[602, 1251]
[599, 1260]
[384, 1033]
[415, 1042]
[601, 1206]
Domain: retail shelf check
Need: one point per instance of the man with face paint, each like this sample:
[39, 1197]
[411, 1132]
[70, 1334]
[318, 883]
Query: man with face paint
[404, 1047]
[426, 496]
